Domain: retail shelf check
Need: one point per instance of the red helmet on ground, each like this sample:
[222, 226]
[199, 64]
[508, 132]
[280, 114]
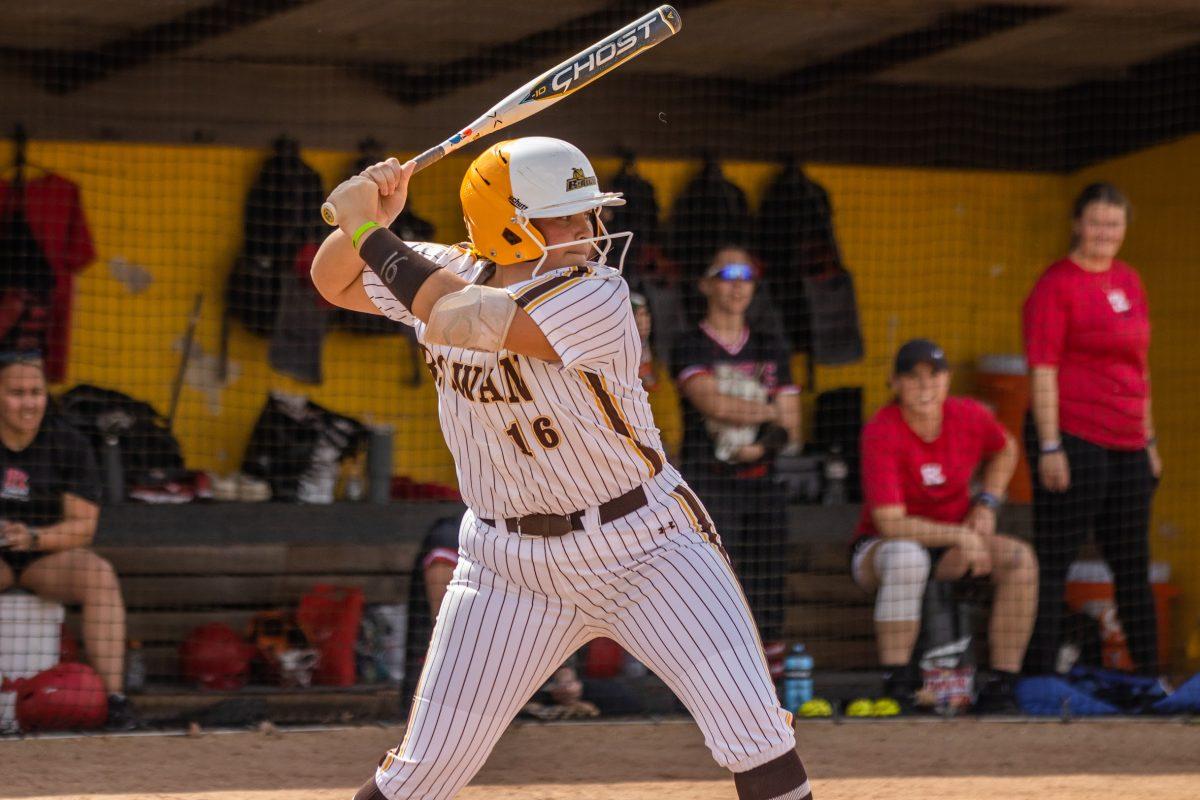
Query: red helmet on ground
[215, 656]
[64, 697]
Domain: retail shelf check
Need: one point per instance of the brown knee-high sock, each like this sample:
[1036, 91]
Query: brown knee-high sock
[369, 791]
[782, 778]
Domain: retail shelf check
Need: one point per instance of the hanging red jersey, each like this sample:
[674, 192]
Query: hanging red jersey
[53, 209]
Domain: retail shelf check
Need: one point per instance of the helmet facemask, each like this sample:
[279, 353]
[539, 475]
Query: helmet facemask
[602, 243]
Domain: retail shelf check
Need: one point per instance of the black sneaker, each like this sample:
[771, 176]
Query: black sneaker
[122, 716]
[901, 684]
[996, 696]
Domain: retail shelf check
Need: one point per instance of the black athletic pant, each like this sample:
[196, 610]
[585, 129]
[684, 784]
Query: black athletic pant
[1109, 497]
[751, 518]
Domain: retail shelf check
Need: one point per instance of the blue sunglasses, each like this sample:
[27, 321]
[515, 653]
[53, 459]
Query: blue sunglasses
[736, 272]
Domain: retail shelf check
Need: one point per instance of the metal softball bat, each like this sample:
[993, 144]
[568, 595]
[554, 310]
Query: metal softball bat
[545, 90]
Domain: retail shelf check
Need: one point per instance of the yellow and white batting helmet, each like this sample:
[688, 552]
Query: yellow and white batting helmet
[534, 177]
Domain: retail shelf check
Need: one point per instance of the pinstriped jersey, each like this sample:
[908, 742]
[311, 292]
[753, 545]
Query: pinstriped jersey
[529, 436]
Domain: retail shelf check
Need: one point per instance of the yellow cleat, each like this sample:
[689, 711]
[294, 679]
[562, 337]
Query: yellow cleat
[817, 707]
[862, 707]
[885, 707]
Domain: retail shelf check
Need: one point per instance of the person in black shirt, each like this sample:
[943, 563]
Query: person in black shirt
[741, 409]
[49, 508]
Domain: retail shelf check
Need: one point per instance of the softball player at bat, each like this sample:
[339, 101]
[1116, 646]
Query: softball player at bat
[577, 526]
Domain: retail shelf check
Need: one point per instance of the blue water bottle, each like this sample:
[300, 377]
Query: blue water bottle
[797, 678]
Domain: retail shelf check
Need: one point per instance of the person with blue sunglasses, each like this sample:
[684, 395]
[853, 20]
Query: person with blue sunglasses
[741, 409]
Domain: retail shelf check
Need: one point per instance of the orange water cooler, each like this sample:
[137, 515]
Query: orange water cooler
[1003, 381]
[1090, 590]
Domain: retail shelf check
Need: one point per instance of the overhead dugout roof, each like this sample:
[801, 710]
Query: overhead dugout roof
[1014, 85]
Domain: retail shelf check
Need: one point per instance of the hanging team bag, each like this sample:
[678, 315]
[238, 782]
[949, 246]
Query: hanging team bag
[149, 451]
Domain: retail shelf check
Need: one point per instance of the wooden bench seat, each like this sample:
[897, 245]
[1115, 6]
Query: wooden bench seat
[181, 567]
[171, 590]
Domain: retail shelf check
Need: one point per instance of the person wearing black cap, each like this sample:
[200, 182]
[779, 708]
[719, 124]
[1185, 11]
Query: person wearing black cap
[919, 453]
[740, 410]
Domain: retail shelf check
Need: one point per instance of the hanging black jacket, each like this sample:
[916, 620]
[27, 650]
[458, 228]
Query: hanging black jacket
[282, 215]
[639, 216]
[805, 270]
[711, 212]
[268, 290]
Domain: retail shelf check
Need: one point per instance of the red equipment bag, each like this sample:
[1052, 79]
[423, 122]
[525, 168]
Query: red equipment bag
[216, 657]
[603, 658]
[64, 697]
[329, 616]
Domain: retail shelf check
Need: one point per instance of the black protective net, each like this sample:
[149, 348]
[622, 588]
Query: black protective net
[215, 477]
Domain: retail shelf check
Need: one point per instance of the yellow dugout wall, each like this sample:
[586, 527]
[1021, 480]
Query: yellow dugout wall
[938, 253]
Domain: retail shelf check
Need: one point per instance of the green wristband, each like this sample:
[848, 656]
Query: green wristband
[358, 234]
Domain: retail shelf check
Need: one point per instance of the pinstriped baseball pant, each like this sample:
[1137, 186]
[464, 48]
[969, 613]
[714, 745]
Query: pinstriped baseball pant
[518, 606]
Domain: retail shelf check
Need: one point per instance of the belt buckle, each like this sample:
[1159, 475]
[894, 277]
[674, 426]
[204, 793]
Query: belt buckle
[539, 521]
[548, 525]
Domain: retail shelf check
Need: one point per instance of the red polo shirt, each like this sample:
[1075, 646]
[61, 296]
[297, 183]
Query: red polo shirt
[930, 479]
[1094, 327]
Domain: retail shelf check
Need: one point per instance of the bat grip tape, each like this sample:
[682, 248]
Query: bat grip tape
[401, 269]
[428, 158]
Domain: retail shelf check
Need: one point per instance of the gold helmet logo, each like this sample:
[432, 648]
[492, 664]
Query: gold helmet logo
[578, 180]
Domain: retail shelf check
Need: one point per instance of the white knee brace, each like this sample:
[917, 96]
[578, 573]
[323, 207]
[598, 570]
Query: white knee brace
[903, 569]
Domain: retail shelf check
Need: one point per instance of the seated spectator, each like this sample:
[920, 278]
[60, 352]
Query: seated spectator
[49, 507]
[919, 453]
[741, 409]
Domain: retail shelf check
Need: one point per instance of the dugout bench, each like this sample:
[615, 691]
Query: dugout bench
[181, 566]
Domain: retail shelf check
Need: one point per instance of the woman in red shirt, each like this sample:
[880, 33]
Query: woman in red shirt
[918, 456]
[1090, 438]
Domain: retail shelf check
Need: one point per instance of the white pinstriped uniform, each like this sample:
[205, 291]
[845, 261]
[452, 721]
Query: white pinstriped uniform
[481, 396]
[533, 437]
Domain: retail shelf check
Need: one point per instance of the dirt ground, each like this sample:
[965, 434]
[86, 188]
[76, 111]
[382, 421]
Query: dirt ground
[938, 760]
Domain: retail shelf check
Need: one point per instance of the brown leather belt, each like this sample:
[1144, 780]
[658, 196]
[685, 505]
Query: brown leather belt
[562, 524]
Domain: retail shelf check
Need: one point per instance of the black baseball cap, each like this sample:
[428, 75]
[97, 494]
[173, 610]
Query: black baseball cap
[9, 357]
[919, 351]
